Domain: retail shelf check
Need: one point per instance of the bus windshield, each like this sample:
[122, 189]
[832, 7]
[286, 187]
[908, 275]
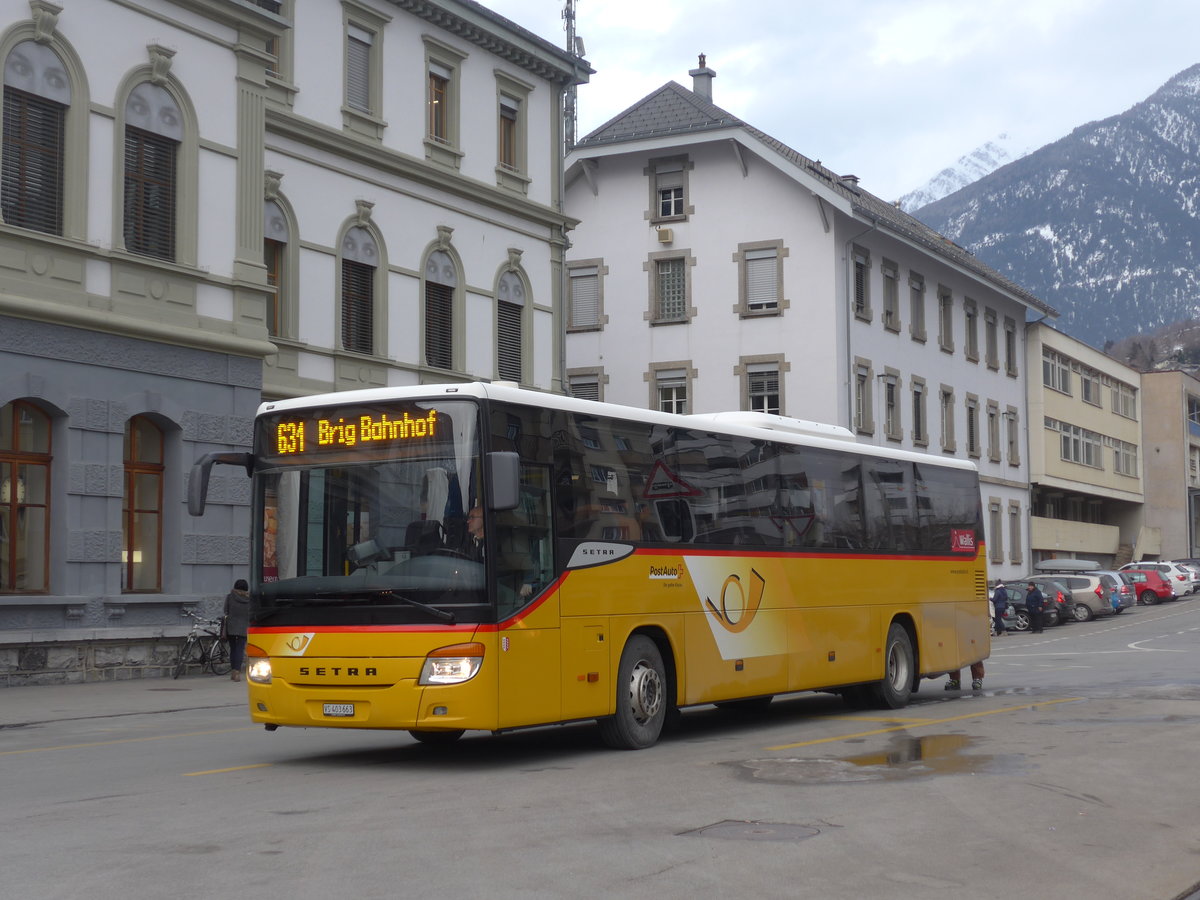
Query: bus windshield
[362, 515]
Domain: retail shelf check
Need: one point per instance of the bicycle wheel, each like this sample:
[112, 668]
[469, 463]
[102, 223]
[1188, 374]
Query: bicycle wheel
[218, 658]
[184, 655]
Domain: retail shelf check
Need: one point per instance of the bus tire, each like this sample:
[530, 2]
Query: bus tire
[893, 690]
[641, 697]
[436, 738]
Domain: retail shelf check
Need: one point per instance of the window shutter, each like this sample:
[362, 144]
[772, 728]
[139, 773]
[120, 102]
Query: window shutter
[358, 69]
[585, 388]
[439, 300]
[358, 306]
[508, 341]
[149, 194]
[762, 290]
[585, 298]
[32, 171]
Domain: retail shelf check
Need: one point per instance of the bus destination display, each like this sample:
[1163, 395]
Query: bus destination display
[289, 436]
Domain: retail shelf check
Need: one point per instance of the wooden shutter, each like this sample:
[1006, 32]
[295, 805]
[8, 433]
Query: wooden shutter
[32, 172]
[439, 333]
[358, 306]
[149, 193]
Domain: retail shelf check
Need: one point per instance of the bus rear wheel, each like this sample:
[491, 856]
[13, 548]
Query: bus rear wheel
[641, 697]
[893, 690]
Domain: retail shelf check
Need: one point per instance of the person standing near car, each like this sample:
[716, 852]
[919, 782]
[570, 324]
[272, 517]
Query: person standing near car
[237, 621]
[999, 606]
[1034, 601]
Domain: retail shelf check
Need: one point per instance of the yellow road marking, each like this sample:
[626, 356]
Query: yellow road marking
[160, 737]
[230, 769]
[909, 723]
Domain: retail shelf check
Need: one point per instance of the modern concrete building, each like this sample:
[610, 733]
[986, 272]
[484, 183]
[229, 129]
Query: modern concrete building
[715, 268]
[1171, 435]
[1085, 453]
[209, 202]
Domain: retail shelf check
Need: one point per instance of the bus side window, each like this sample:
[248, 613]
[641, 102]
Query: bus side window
[525, 563]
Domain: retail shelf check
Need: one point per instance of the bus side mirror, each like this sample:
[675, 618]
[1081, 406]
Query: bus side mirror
[197, 488]
[503, 479]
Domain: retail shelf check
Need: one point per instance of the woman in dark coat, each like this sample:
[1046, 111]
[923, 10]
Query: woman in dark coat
[237, 618]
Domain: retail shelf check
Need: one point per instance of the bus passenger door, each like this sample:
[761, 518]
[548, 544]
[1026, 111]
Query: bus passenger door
[529, 657]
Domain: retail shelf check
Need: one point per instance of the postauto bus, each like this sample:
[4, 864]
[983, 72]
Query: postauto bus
[478, 556]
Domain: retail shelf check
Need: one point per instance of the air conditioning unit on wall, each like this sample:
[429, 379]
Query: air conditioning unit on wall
[665, 235]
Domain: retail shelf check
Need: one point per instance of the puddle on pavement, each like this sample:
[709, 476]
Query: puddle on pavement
[905, 757]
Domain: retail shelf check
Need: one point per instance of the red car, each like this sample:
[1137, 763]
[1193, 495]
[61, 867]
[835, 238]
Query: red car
[1150, 586]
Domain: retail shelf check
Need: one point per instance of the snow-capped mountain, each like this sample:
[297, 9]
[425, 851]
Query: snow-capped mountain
[1104, 224]
[981, 161]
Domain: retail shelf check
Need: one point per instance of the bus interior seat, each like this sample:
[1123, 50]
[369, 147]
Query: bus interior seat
[423, 536]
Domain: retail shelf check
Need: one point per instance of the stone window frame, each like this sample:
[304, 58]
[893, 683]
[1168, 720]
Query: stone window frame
[1012, 435]
[666, 167]
[993, 431]
[651, 376]
[187, 161]
[379, 304]
[893, 416]
[919, 392]
[742, 307]
[458, 301]
[860, 283]
[1015, 544]
[511, 91]
[756, 363]
[367, 123]
[650, 266]
[890, 317]
[513, 268]
[916, 307]
[446, 152]
[864, 396]
[945, 304]
[591, 374]
[1011, 350]
[970, 330]
[974, 436]
[76, 118]
[991, 340]
[574, 265]
[946, 418]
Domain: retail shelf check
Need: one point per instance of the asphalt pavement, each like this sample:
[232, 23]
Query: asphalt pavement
[35, 704]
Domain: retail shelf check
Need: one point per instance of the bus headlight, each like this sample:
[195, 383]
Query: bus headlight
[452, 665]
[258, 665]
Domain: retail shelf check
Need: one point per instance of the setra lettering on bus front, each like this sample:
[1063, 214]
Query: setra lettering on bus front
[348, 671]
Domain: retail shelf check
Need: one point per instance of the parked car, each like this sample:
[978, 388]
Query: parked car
[1192, 568]
[1090, 587]
[1150, 585]
[1181, 577]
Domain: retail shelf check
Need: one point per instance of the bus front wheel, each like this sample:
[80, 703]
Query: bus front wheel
[641, 697]
[893, 690]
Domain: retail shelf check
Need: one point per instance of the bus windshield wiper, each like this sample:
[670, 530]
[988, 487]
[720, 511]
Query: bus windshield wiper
[372, 593]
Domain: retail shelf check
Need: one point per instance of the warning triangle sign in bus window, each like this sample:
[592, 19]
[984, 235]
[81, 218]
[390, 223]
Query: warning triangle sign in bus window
[664, 483]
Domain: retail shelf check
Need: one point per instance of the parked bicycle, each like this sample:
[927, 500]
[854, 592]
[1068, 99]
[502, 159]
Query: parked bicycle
[203, 647]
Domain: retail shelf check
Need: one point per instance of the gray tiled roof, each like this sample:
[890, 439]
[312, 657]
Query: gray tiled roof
[674, 110]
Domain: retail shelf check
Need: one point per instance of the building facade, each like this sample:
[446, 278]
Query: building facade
[1171, 435]
[211, 202]
[1085, 454]
[715, 268]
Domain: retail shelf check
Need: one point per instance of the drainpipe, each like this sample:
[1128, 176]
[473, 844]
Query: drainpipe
[849, 313]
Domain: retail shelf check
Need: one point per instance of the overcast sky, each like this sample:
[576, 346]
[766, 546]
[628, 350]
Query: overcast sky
[890, 90]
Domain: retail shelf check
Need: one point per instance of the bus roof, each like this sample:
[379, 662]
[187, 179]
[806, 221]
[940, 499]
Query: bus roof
[762, 426]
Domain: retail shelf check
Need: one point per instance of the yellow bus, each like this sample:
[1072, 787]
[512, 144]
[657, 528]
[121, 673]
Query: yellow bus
[481, 557]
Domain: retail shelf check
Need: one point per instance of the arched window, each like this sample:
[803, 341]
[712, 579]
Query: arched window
[510, 319]
[141, 520]
[37, 94]
[153, 133]
[441, 279]
[275, 246]
[24, 498]
[360, 257]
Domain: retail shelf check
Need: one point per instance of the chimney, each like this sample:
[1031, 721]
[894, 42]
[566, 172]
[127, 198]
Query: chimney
[702, 80]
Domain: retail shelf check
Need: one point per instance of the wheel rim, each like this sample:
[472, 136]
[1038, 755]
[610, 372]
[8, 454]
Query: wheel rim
[1022, 621]
[645, 692]
[898, 673]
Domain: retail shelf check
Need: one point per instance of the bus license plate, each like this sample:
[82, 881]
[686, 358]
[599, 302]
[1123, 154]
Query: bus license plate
[339, 709]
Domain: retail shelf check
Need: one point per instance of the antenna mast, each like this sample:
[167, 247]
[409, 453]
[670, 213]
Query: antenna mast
[575, 48]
